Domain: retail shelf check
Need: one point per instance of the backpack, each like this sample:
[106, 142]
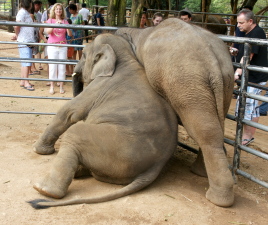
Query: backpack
[94, 20]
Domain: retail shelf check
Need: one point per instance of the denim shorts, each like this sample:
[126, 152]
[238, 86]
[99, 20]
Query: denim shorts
[25, 52]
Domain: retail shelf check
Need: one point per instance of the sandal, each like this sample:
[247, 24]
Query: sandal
[40, 68]
[62, 91]
[51, 90]
[248, 141]
[29, 88]
[36, 72]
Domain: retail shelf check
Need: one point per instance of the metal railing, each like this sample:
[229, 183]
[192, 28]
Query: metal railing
[242, 92]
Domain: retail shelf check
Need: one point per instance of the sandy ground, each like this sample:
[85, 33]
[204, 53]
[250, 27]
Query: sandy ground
[176, 197]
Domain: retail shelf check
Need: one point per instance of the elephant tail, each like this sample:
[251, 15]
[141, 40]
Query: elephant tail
[139, 183]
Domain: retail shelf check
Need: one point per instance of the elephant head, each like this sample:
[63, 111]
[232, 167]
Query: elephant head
[98, 59]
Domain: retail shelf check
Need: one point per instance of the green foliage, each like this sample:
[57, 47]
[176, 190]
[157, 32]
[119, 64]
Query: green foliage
[192, 5]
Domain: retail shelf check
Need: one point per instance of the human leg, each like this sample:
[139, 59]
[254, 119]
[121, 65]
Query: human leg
[53, 53]
[25, 52]
[264, 106]
[62, 67]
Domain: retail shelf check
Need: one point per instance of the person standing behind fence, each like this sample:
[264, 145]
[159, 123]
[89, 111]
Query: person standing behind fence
[77, 19]
[68, 14]
[186, 15]
[258, 56]
[25, 34]
[36, 18]
[57, 35]
[100, 19]
[85, 13]
[157, 18]
[45, 13]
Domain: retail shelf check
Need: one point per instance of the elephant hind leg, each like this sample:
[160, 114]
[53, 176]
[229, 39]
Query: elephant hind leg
[207, 132]
[55, 184]
[198, 167]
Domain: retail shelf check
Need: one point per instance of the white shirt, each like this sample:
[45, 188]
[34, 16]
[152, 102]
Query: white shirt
[85, 13]
[26, 34]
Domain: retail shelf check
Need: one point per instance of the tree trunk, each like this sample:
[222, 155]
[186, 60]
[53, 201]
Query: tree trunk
[233, 18]
[121, 18]
[205, 8]
[111, 12]
[136, 11]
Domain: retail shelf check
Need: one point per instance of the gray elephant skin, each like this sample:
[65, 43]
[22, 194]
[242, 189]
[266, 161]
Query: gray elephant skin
[191, 68]
[219, 26]
[118, 128]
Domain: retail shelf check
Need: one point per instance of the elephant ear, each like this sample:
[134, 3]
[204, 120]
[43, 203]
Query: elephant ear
[104, 62]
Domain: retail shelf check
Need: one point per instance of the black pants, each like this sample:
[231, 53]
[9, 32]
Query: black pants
[86, 31]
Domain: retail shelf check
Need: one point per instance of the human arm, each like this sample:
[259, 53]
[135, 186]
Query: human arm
[41, 34]
[238, 71]
[17, 31]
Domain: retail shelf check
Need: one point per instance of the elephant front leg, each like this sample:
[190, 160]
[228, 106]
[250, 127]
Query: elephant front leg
[55, 184]
[66, 117]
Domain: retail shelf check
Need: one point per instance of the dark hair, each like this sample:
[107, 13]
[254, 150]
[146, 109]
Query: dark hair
[37, 2]
[73, 7]
[84, 5]
[100, 9]
[184, 13]
[26, 4]
[157, 14]
[246, 7]
[52, 2]
[69, 21]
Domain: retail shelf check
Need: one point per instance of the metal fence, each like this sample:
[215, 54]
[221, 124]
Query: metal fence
[242, 92]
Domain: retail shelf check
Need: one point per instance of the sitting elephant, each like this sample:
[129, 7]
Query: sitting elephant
[120, 130]
[192, 69]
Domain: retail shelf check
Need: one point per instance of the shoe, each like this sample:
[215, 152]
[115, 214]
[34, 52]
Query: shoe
[36, 72]
[51, 91]
[40, 68]
[68, 75]
[263, 114]
[48, 84]
[248, 141]
[29, 88]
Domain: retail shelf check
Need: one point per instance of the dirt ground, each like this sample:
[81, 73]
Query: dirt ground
[176, 197]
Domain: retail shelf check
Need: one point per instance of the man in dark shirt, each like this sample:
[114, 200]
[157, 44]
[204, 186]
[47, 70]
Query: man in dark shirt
[258, 56]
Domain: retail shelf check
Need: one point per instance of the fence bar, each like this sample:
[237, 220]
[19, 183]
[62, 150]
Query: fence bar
[54, 25]
[252, 178]
[33, 79]
[34, 97]
[33, 60]
[258, 97]
[41, 44]
[36, 113]
[187, 147]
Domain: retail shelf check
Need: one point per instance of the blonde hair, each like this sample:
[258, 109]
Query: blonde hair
[52, 11]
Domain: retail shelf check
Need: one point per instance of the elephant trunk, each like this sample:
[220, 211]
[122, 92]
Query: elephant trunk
[78, 84]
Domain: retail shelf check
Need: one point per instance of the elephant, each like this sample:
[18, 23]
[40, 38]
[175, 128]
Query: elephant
[192, 69]
[117, 128]
[214, 28]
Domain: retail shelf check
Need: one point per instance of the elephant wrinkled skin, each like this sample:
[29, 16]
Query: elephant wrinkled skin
[192, 69]
[119, 129]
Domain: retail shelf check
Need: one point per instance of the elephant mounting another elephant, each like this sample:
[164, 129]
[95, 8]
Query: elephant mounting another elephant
[188, 66]
[118, 129]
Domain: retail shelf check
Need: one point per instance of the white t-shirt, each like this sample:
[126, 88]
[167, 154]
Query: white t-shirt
[85, 13]
[26, 34]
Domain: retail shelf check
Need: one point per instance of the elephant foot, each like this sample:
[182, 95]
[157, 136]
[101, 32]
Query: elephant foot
[53, 192]
[221, 198]
[42, 149]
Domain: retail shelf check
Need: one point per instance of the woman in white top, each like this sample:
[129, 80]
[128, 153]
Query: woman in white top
[25, 34]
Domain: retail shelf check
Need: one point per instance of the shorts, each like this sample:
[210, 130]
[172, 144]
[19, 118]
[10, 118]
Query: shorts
[25, 52]
[70, 52]
[252, 105]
